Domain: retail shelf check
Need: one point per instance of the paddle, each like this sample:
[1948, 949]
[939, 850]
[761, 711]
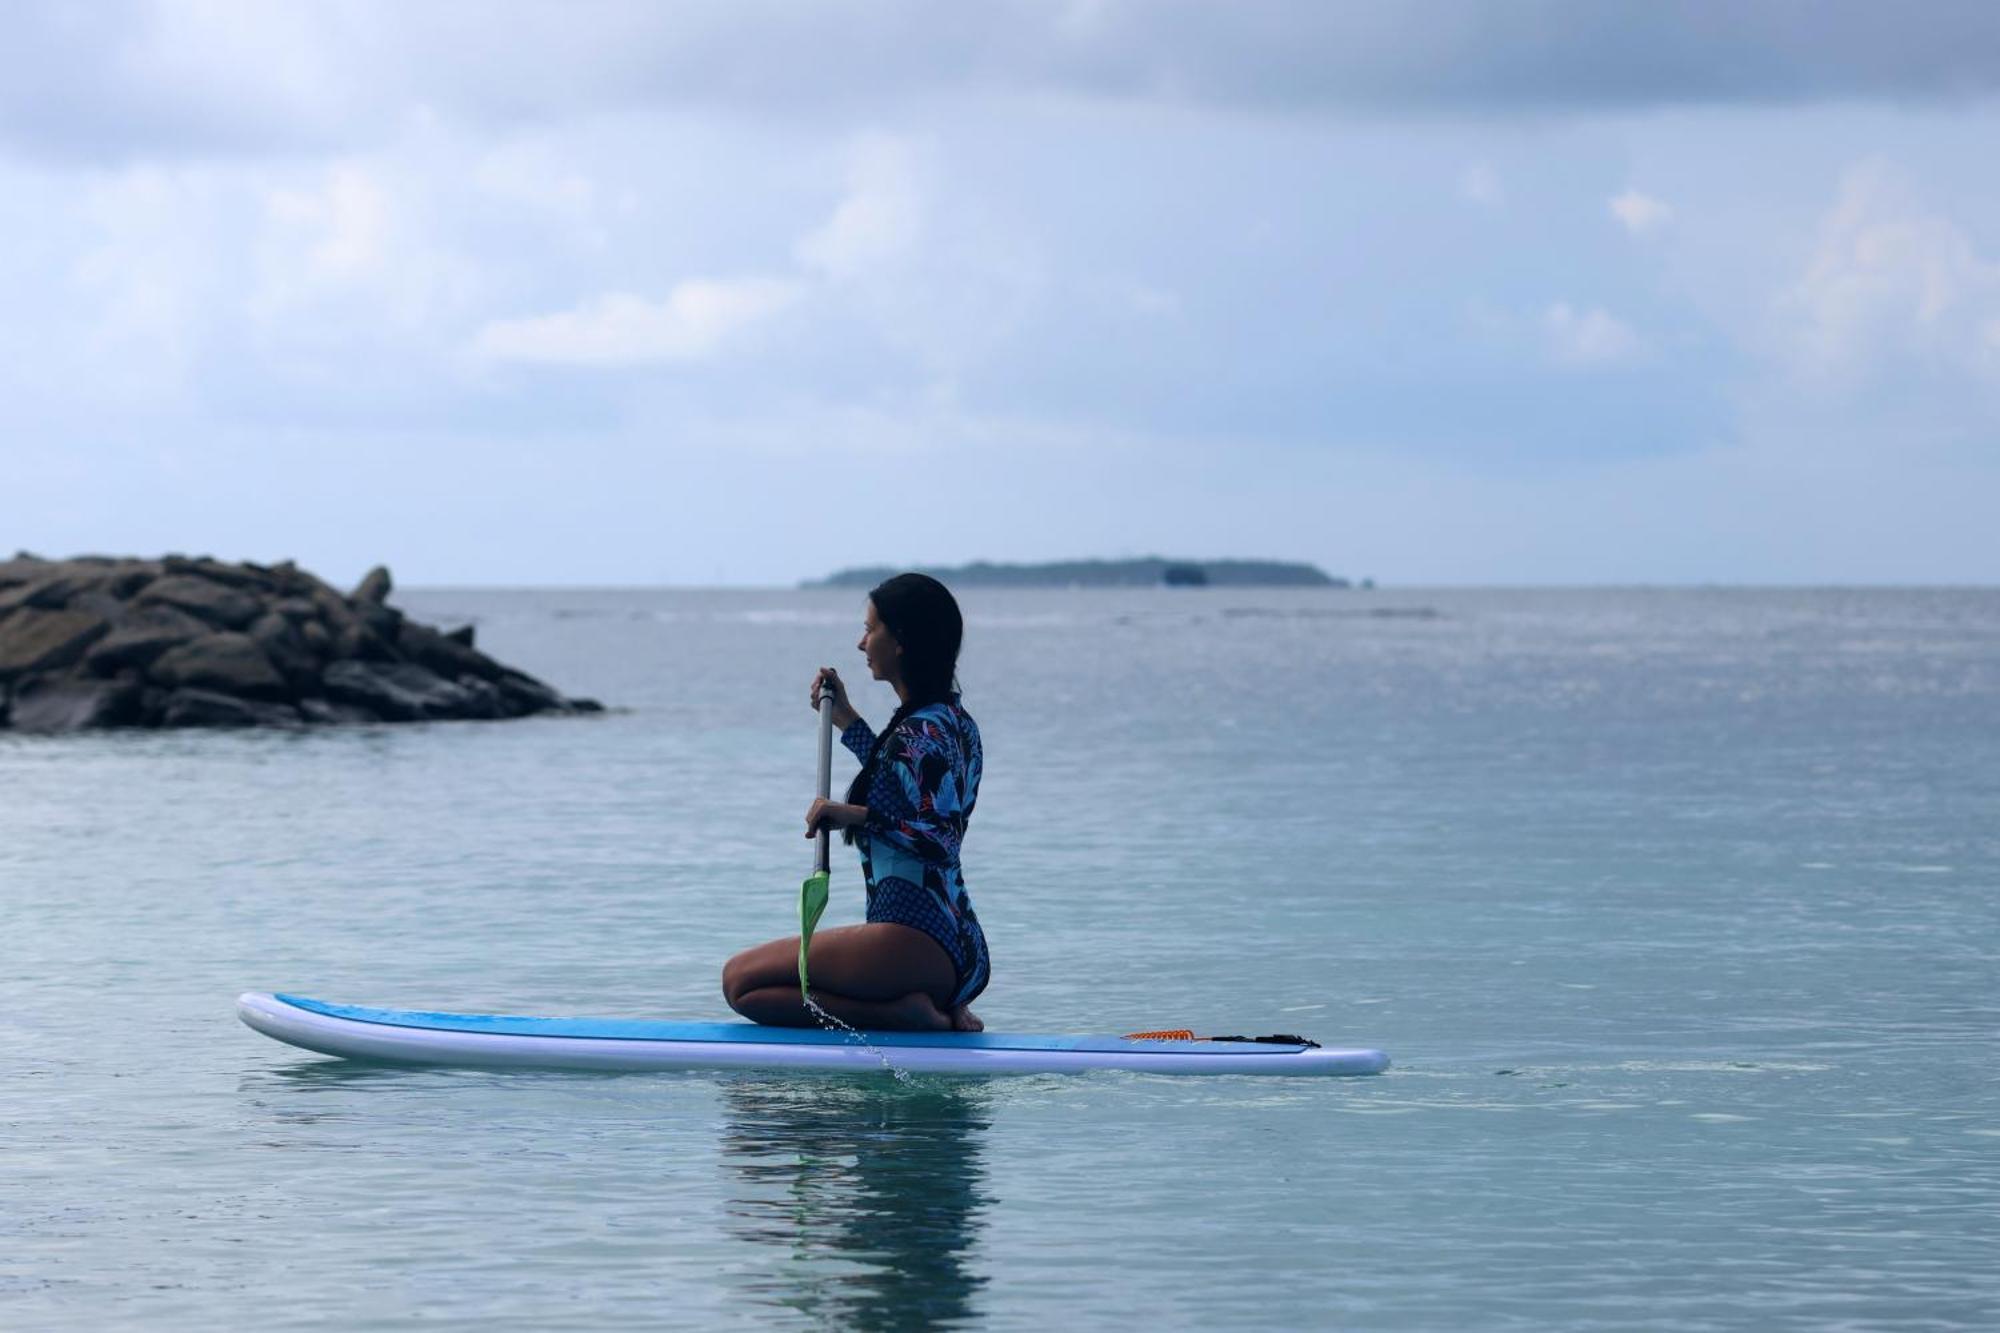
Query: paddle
[813, 893]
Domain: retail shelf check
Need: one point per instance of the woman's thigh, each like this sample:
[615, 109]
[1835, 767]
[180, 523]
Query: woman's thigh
[869, 962]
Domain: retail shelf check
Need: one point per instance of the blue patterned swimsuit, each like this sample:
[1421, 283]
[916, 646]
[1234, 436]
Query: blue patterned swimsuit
[921, 795]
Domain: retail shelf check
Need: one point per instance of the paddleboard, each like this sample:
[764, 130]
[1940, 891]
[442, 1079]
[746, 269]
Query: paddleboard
[499, 1041]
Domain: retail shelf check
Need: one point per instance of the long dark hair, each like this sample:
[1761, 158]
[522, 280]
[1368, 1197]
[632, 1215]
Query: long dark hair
[924, 617]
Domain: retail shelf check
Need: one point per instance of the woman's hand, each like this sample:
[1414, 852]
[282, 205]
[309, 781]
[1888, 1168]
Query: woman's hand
[830, 815]
[844, 715]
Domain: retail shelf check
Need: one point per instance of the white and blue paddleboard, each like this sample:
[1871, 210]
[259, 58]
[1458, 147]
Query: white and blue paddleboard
[497, 1041]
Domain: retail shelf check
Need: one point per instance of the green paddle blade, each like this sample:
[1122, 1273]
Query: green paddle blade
[812, 902]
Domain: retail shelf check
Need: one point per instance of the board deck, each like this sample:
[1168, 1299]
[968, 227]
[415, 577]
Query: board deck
[403, 1036]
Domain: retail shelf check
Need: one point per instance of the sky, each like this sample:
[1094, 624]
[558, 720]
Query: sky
[1547, 292]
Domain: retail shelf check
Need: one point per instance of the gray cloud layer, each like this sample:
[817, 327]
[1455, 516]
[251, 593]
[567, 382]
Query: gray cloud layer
[114, 80]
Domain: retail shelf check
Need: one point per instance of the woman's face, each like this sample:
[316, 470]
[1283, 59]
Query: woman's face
[879, 646]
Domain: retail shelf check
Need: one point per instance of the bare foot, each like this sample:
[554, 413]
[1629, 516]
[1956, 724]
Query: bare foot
[964, 1020]
[919, 1013]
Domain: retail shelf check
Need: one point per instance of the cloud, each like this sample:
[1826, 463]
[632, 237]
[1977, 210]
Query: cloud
[1146, 299]
[347, 220]
[358, 251]
[880, 216]
[1046, 230]
[142, 280]
[1481, 185]
[1587, 338]
[119, 78]
[1559, 335]
[1891, 284]
[620, 329]
[535, 175]
[124, 78]
[878, 219]
[1640, 214]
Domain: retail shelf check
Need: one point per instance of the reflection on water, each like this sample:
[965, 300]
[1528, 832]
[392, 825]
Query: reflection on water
[317, 1075]
[873, 1190]
[297, 1093]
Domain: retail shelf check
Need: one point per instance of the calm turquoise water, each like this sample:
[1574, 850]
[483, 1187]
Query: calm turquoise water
[1677, 910]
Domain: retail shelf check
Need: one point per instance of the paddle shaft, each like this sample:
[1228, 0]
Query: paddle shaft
[820, 843]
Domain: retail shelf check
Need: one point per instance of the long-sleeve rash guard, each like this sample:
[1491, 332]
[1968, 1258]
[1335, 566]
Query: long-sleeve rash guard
[925, 784]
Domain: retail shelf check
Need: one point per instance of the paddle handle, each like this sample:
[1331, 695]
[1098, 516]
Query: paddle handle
[820, 844]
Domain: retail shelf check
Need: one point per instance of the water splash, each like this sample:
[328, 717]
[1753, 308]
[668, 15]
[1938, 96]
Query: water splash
[832, 1024]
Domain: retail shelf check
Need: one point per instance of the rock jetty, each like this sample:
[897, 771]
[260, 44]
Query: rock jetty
[177, 642]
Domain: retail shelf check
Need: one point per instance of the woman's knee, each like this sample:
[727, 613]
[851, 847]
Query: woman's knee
[761, 965]
[738, 977]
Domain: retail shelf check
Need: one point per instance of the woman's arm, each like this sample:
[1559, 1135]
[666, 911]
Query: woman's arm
[919, 804]
[829, 815]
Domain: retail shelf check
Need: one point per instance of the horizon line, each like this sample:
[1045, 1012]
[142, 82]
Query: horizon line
[1352, 590]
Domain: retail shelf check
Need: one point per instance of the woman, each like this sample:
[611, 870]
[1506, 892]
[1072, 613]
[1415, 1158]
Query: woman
[921, 957]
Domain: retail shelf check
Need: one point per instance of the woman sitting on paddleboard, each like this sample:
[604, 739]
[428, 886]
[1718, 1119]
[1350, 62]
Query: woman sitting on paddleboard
[921, 957]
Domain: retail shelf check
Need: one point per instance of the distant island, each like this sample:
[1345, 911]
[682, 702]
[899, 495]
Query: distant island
[1145, 572]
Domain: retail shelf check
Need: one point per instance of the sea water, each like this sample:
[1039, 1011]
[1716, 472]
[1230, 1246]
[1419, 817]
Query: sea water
[1676, 910]
[834, 1023]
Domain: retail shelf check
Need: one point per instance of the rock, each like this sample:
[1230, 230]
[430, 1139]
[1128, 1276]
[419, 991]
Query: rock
[444, 654]
[71, 583]
[185, 640]
[23, 568]
[206, 708]
[361, 643]
[585, 706]
[399, 691]
[140, 635]
[249, 577]
[33, 640]
[229, 608]
[325, 712]
[227, 662]
[286, 647]
[352, 637]
[385, 621]
[56, 703]
[374, 587]
[521, 694]
[483, 699]
[53, 584]
[51, 593]
[126, 584]
[287, 579]
[332, 609]
[316, 639]
[306, 584]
